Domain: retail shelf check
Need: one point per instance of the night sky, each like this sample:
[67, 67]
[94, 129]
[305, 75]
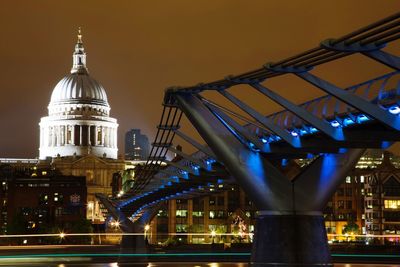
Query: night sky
[136, 49]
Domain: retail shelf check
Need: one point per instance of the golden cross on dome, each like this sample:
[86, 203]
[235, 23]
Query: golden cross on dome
[79, 35]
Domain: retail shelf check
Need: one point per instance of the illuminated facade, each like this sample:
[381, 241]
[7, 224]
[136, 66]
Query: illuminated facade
[79, 121]
[78, 137]
[369, 196]
[210, 218]
[98, 172]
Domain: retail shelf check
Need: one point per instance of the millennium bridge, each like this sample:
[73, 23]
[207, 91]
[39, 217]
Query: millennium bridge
[331, 131]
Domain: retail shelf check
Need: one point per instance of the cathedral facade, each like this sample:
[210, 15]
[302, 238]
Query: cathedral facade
[78, 137]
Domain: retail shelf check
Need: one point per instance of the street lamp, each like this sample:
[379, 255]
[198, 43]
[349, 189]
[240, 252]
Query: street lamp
[61, 235]
[213, 234]
[146, 229]
[90, 206]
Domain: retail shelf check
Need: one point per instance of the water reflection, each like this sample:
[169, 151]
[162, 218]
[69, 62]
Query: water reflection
[174, 264]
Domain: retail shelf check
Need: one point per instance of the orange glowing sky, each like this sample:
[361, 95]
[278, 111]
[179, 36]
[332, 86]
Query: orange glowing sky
[138, 48]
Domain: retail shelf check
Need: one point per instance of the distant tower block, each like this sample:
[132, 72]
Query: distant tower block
[136, 145]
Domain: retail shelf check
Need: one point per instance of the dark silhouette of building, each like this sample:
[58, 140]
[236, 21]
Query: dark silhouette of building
[34, 200]
[136, 145]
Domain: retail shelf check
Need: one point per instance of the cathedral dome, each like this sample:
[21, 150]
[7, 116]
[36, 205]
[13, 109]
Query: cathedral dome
[79, 121]
[79, 88]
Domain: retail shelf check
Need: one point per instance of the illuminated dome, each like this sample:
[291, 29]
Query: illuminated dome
[79, 121]
[79, 88]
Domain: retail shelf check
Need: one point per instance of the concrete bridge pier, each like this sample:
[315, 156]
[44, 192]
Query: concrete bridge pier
[299, 236]
[290, 229]
[135, 242]
[290, 240]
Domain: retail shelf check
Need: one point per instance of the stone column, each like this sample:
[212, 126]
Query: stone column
[56, 138]
[80, 135]
[66, 135]
[96, 135]
[102, 135]
[89, 143]
[113, 137]
[60, 137]
[53, 136]
[72, 134]
[48, 137]
[62, 132]
[106, 141]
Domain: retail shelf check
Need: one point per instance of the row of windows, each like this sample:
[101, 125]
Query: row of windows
[218, 201]
[48, 185]
[198, 228]
[198, 203]
[56, 198]
[342, 191]
[341, 204]
[78, 109]
[392, 204]
[355, 179]
[213, 214]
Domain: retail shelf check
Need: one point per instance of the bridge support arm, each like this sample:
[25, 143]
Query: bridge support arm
[290, 228]
[197, 145]
[126, 225]
[264, 184]
[129, 243]
[319, 181]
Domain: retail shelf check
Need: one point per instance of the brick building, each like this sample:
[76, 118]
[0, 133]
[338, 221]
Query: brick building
[40, 198]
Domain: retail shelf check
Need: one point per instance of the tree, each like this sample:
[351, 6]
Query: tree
[18, 225]
[82, 226]
[351, 228]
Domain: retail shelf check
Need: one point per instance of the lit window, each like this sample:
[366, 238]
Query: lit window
[198, 213]
[58, 212]
[392, 204]
[181, 213]
[211, 201]
[212, 214]
[348, 180]
[162, 213]
[58, 198]
[181, 228]
[362, 179]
